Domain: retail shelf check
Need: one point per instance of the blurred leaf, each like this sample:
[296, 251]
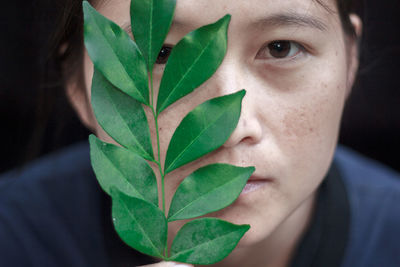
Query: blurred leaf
[121, 116]
[208, 189]
[139, 223]
[204, 129]
[151, 20]
[206, 241]
[116, 166]
[115, 55]
[193, 61]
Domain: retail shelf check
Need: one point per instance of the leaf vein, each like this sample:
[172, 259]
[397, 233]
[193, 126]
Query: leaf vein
[137, 143]
[184, 77]
[197, 137]
[118, 61]
[142, 230]
[204, 244]
[123, 175]
[149, 56]
[205, 195]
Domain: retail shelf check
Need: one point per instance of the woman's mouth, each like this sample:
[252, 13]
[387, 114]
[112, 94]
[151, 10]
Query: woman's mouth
[254, 184]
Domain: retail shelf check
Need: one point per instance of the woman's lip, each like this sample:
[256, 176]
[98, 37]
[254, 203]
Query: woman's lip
[255, 178]
[253, 186]
[254, 183]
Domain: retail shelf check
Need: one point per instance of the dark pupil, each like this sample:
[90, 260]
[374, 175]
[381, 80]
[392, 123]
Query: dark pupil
[163, 55]
[279, 49]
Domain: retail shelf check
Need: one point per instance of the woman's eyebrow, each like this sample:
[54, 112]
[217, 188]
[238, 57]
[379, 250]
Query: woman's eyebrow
[278, 19]
[291, 19]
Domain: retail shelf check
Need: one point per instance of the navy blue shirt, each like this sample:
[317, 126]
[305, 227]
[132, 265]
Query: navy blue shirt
[54, 213]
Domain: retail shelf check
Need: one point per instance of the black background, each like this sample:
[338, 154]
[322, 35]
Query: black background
[371, 122]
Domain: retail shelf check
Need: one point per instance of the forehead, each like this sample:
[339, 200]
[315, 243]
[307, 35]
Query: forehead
[191, 14]
[249, 11]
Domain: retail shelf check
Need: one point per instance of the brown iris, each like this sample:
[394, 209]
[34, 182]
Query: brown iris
[279, 49]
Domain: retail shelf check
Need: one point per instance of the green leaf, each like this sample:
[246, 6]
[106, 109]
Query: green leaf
[193, 61]
[208, 189]
[206, 241]
[115, 54]
[121, 116]
[116, 166]
[204, 129]
[151, 20]
[140, 224]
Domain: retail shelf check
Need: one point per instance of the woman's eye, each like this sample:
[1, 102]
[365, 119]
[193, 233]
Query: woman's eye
[280, 50]
[163, 55]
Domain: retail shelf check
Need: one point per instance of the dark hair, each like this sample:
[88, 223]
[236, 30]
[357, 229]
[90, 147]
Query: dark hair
[345, 7]
[68, 30]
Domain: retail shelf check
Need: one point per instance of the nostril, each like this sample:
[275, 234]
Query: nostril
[247, 139]
[251, 134]
[248, 130]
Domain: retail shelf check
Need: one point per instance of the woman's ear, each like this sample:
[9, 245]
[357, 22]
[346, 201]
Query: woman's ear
[353, 51]
[357, 24]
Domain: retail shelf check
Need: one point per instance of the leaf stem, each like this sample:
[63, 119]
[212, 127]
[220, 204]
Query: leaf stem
[158, 162]
[151, 88]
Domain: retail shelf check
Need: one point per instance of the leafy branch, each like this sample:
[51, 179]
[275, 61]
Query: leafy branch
[120, 91]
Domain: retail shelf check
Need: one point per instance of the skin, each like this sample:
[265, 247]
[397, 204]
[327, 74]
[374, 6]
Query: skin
[290, 117]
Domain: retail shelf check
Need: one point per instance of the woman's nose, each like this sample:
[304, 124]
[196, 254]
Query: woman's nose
[249, 129]
[228, 79]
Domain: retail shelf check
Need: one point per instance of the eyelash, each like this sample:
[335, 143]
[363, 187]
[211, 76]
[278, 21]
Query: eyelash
[166, 51]
[279, 44]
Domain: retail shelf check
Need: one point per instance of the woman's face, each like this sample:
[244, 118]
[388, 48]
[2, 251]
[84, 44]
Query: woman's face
[293, 59]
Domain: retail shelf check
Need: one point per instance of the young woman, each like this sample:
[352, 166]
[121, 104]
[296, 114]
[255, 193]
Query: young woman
[306, 204]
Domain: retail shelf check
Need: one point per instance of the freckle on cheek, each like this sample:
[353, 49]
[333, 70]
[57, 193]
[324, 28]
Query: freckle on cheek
[298, 123]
